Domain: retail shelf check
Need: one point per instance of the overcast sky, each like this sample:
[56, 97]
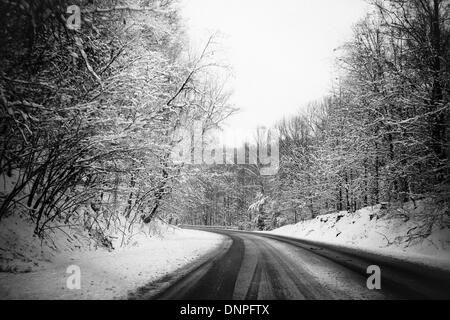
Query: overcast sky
[281, 52]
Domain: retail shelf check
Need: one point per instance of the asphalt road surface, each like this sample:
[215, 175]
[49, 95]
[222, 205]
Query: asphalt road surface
[260, 266]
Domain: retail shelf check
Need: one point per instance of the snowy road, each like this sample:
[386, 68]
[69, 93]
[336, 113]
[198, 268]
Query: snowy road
[262, 266]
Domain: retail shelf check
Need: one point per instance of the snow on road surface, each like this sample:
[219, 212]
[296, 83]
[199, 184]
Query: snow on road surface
[109, 275]
[401, 233]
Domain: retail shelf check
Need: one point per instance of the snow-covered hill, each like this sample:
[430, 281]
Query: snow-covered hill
[34, 268]
[421, 231]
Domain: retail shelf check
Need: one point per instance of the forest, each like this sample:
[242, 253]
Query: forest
[89, 119]
[380, 137]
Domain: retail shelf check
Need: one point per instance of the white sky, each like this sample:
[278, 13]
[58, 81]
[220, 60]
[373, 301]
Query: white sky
[281, 52]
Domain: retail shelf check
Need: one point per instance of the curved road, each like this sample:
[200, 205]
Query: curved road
[263, 266]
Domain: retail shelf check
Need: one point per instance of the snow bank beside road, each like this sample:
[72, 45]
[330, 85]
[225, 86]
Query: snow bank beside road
[109, 275]
[409, 232]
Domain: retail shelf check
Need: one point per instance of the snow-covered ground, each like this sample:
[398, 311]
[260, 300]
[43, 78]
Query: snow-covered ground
[419, 234]
[35, 269]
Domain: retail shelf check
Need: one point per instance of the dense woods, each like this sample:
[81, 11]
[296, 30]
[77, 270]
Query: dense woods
[381, 136]
[89, 119]
[88, 116]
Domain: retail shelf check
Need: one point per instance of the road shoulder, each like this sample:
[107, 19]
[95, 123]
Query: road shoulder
[112, 275]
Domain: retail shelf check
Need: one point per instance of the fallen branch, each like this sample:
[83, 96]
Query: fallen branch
[79, 44]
